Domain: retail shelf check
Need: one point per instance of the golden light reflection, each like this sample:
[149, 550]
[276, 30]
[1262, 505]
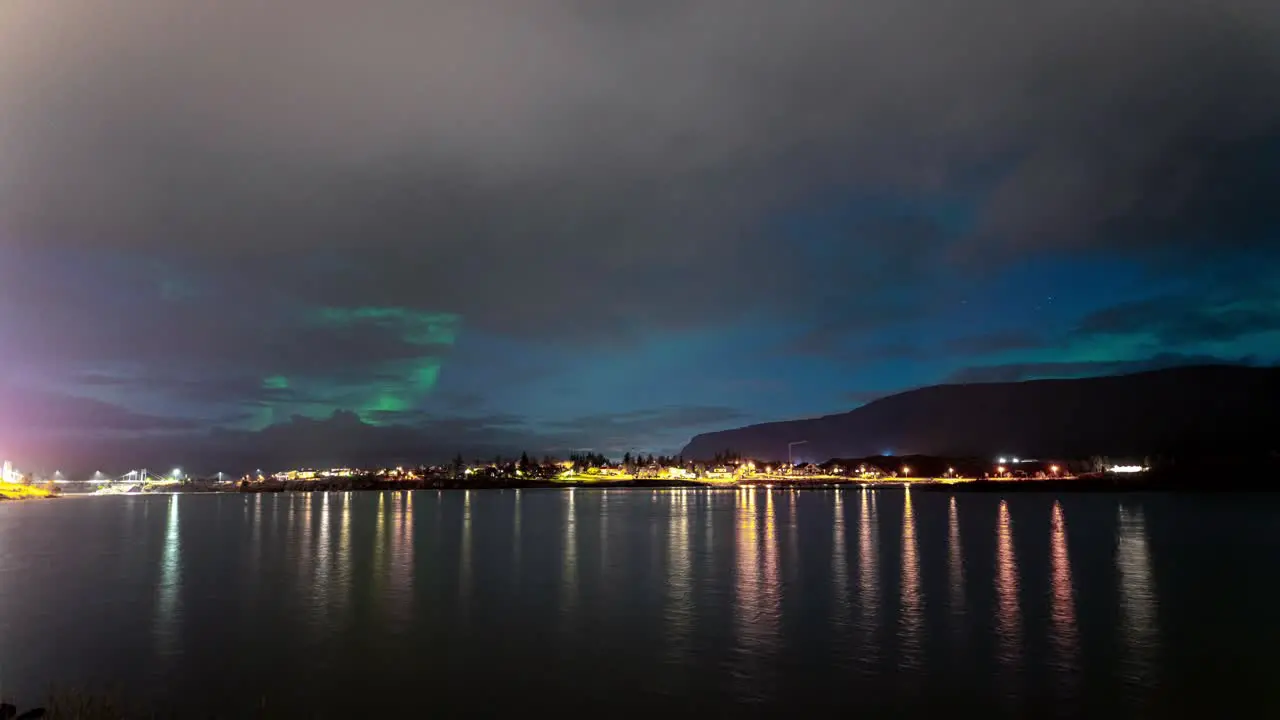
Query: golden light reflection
[793, 537]
[569, 572]
[323, 549]
[516, 536]
[1063, 611]
[772, 588]
[955, 564]
[679, 613]
[1137, 597]
[401, 561]
[342, 583]
[912, 617]
[380, 538]
[464, 553]
[747, 549]
[869, 573]
[275, 515]
[255, 535]
[708, 528]
[756, 614]
[604, 531]
[1008, 614]
[839, 560]
[305, 548]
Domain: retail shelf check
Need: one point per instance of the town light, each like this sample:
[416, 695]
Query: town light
[1000, 469]
[177, 473]
[1053, 469]
[905, 470]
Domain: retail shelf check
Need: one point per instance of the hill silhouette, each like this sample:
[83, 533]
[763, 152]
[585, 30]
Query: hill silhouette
[1189, 410]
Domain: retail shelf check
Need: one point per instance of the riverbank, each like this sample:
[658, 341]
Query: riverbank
[370, 484]
[1147, 482]
[13, 491]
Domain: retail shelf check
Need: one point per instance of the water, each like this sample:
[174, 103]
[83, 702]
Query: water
[876, 601]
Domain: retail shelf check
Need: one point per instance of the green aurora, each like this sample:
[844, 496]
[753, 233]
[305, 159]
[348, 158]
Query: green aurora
[388, 389]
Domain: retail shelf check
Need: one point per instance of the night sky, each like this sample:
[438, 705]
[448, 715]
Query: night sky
[245, 232]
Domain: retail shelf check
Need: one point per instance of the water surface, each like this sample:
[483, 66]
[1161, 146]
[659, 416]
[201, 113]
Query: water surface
[874, 601]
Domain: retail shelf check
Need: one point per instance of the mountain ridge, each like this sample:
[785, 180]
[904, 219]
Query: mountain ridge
[1190, 408]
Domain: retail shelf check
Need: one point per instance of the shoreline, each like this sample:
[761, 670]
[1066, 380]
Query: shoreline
[1197, 483]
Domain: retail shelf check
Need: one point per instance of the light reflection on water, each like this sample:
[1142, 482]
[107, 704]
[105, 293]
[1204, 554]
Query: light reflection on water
[1062, 614]
[1008, 624]
[839, 559]
[1138, 597]
[869, 578]
[169, 605]
[955, 566]
[911, 619]
[569, 556]
[401, 566]
[679, 613]
[720, 595]
[464, 555]
[517, 536]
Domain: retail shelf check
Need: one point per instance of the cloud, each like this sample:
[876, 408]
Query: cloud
[1014, 372]
[995, 342]
[31, 410]
[643, 422]
[450, 157]
[1177, 320]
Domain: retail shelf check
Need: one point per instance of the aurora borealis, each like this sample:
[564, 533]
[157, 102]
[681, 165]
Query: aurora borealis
[237, 234]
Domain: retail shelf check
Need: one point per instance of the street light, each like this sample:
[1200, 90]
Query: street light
[177, 473]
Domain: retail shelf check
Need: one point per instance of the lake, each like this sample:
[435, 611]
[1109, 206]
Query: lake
[871, 601]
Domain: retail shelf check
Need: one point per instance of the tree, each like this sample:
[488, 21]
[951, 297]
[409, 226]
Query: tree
[524, 462]
[626, 458]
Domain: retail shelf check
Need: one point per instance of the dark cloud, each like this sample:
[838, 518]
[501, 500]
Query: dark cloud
[29, 412]
[642, 422]
[1175, 320]
[1002, 341]
[1014, 372]
[591, 146]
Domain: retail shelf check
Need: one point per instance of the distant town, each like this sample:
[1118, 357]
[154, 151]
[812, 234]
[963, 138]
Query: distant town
[587, 469]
